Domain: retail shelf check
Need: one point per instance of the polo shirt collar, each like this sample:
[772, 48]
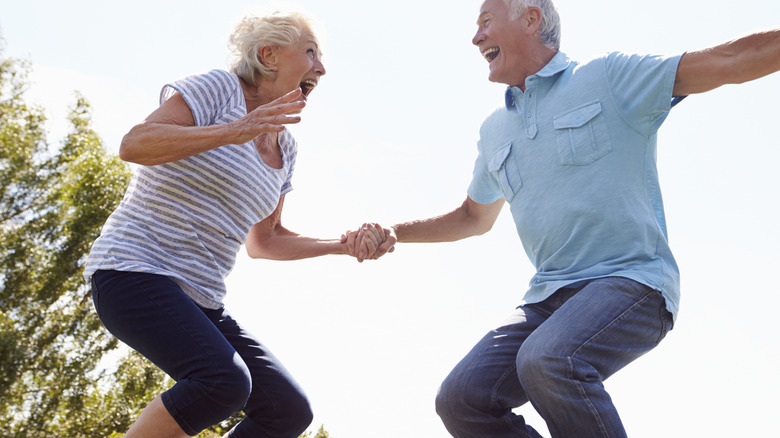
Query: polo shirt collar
[557, 64]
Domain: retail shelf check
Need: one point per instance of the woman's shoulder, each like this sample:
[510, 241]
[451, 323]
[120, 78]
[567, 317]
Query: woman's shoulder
[210, 95]
[218, 78]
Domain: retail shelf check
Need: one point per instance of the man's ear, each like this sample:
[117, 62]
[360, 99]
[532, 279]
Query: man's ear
[532, 19]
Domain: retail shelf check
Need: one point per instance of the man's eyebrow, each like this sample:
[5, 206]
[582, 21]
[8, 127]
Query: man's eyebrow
[479, 19]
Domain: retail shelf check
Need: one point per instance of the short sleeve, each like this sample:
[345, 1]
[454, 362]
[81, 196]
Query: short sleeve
[484, 189]
[208, 95]
[642, 86]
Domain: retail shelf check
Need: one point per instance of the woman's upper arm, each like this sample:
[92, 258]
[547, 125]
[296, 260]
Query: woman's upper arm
[139, 143]
[261, 231]
[174, 111]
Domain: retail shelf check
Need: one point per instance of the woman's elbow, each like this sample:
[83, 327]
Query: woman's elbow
[254, 252]
[128, 148]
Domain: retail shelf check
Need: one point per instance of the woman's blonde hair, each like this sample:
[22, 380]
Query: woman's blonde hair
[253, 33]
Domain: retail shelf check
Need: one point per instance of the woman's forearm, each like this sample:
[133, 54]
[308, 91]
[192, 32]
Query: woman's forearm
[157, 143]
[283, 244]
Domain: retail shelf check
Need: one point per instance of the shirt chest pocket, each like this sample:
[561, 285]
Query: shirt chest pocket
[582, 135]
[503, 167]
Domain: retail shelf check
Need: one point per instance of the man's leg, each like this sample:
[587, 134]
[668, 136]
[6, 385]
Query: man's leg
[477, 398]
[597, 331]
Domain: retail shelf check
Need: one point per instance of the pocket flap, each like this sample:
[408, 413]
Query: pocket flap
[498, 157]
[578, 117]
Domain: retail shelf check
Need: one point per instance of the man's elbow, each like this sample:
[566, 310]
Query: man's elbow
[483, 227]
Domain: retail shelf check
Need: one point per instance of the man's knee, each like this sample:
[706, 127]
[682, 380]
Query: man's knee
[458, 398]
[535, 369]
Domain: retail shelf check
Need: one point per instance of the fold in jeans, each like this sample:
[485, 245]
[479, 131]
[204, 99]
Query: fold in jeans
[555, 354]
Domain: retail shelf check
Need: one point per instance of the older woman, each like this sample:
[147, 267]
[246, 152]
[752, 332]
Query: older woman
[215, 165]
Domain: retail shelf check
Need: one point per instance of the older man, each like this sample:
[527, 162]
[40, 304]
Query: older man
[573, 152]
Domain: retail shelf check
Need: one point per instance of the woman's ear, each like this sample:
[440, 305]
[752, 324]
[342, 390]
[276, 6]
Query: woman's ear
[268, 57]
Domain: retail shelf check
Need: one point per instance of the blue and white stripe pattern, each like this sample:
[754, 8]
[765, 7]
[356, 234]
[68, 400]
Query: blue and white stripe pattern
[187, 219]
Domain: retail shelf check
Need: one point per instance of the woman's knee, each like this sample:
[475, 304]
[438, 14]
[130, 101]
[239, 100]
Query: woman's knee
[286, 411]
[296, 413]
[230, 390]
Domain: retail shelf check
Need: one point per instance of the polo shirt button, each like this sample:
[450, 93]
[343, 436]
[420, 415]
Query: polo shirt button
[529, 116]
[579, 121]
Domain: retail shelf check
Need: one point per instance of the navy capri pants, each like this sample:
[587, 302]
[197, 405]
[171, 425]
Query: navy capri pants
[218, 367]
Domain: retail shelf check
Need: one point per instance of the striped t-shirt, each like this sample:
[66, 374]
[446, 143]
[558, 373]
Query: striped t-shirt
[187, 219]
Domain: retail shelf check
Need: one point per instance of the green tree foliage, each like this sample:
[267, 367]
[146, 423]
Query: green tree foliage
[52, 206]
[321, 433]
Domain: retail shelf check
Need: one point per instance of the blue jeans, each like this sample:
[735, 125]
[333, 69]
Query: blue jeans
[218, 367]
[555, 354]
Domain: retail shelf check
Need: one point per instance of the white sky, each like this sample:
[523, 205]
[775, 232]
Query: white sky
[390, 135]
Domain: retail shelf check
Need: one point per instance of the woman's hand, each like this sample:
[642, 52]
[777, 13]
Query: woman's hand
[270, 117]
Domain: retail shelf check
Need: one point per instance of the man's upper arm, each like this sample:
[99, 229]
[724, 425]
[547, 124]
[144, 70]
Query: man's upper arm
[483, 215]
[698, 72]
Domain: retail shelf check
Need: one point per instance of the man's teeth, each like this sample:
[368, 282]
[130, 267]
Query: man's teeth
[490, 54]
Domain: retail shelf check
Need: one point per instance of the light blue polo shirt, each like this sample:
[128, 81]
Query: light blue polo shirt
[575, 157]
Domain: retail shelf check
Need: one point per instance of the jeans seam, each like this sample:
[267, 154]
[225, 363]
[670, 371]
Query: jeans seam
[585, 397]
[583, 394]
[494, 401]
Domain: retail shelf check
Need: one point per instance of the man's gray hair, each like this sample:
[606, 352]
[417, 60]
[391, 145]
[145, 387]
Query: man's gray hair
[550, 29]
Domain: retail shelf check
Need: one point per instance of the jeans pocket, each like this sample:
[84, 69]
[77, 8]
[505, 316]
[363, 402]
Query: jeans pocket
[667, 321]
[582, 135]
[504, 168]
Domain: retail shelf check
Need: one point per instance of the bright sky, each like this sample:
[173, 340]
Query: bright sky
[390, 135]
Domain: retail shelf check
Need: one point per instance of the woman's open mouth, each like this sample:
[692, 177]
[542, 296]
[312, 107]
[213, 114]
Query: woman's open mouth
[307, 86]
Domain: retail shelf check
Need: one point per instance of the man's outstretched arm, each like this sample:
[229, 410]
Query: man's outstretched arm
[735, 62]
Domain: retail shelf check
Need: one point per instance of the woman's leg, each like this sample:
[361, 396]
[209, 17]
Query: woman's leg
[155, 421]
[152, 315]
[277, 406]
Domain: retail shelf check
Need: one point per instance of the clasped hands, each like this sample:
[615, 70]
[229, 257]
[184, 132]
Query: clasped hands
[369, 242]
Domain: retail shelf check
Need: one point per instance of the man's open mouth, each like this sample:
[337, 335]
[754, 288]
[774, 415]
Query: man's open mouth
[307, 86]
[491, 53]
